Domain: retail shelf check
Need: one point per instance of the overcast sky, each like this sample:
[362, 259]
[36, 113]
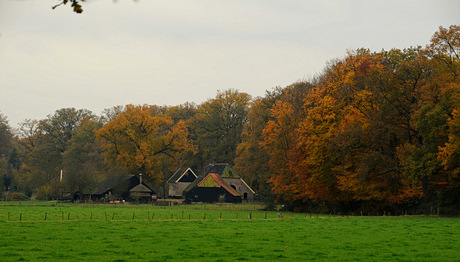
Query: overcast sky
[170, 52]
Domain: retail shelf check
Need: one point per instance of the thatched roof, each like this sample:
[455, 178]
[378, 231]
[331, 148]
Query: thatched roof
[115, 182]
[212, 180]
[141, 189]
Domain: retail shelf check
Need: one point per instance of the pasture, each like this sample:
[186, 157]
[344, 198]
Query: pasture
[78, 232]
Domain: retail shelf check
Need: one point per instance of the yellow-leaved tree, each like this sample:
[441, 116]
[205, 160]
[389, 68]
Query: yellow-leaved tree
[141, 139]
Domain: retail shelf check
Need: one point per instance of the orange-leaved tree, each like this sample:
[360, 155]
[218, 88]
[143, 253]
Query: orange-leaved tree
[141, 138]
[331, 140]
[279, 138]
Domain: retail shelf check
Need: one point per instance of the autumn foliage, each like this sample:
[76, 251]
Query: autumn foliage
[139, 140]
[376, 128]
[375, 131]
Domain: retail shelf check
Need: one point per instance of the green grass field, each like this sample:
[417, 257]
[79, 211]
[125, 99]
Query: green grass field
[217, 233]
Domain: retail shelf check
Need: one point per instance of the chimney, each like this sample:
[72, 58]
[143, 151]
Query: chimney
[140, 178]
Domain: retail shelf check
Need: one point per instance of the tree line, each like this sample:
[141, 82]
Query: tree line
[374, 131]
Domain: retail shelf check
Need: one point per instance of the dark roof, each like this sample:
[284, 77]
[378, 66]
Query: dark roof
[177, 174]
[223, 170]
[193, 184]
[216, 178]
[141, 188]
[215, 168]
[122, 183]
[181, 174]
[112, 182]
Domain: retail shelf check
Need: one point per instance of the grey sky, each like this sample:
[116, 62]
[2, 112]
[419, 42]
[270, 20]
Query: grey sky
[177, 51]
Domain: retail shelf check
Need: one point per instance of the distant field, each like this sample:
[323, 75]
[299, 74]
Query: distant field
[216, 233]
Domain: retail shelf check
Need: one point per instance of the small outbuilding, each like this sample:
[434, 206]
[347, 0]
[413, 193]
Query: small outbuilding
[140, 193]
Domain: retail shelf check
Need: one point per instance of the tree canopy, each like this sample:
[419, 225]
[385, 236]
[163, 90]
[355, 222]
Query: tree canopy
[374, 131]
[139, 138]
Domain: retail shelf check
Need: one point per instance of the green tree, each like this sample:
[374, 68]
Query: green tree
[219, 123]
[252, 159]
[83, 160]
[44, 142]
[6, 149]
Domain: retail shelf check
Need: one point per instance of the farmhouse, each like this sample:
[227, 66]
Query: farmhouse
[118, 187]
[232, 178]
[179, 181]
[219, 183]
[211, 188]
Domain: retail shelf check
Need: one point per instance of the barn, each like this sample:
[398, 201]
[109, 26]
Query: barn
[211, 188]
[117, 187]
[229, 175]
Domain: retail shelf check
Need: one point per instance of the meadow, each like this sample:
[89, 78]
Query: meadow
[79, 232]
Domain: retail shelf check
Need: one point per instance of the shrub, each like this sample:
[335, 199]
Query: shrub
[14, 196]
[47, 192]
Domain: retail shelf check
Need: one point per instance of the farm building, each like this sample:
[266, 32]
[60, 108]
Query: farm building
[228, 186]
[118, 187]
[211, 188]
[232, 178]
[141, 193]
[179, 181]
